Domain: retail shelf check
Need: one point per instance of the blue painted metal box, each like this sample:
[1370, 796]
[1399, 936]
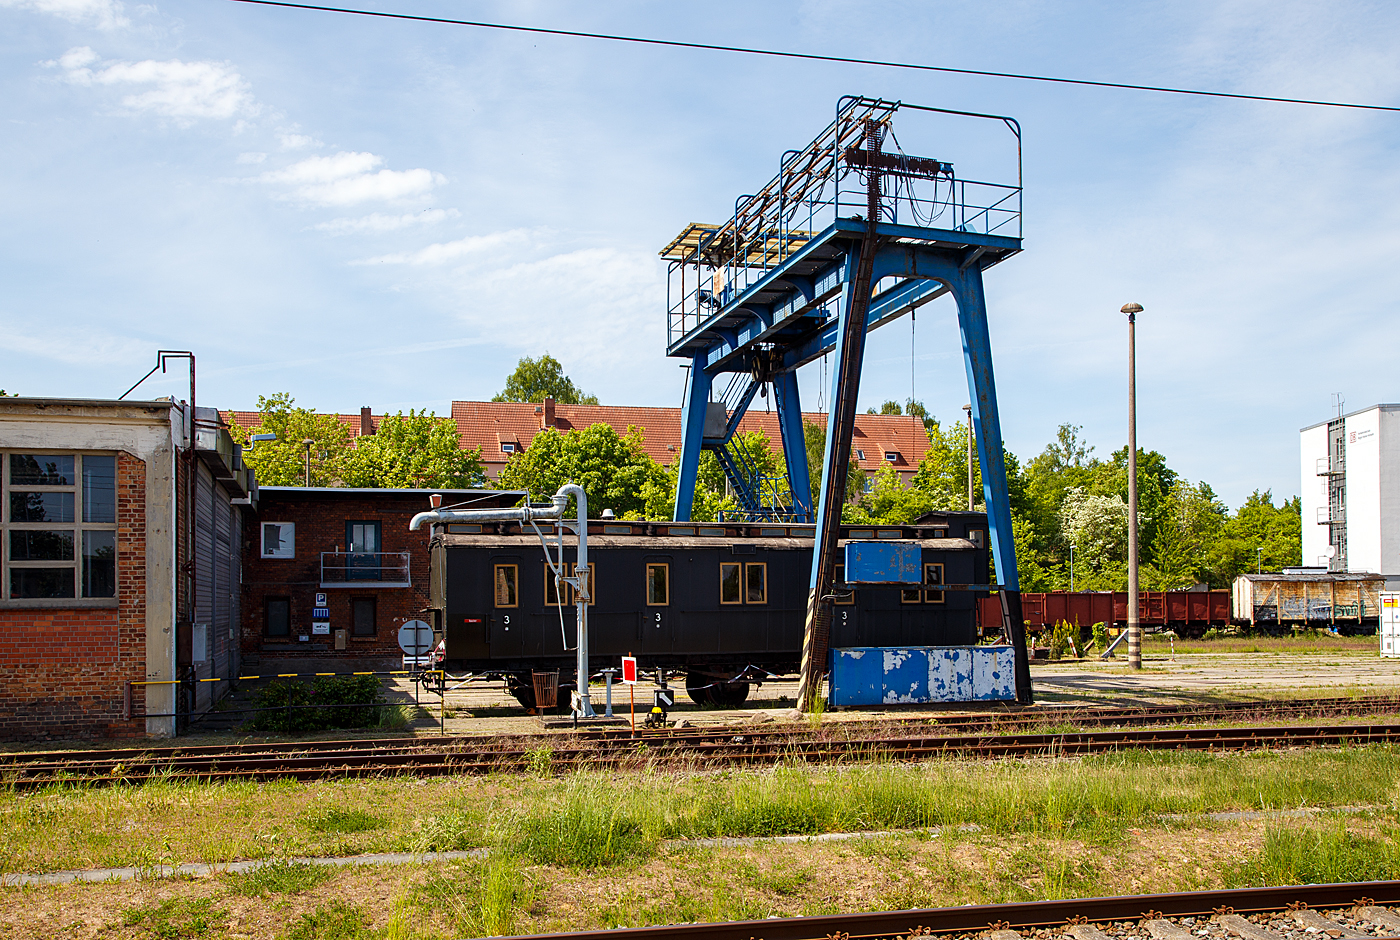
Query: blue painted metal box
[870, 675]
[883, 562]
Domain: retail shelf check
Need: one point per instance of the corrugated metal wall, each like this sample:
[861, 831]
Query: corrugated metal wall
[217, 579]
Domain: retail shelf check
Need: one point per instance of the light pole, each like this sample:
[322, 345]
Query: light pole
[1071, 566]
[970, 504]
[1134, 628]
[308, 442]
[1258, 560]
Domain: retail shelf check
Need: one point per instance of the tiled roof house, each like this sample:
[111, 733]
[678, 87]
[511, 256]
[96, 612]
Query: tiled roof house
[501, 429]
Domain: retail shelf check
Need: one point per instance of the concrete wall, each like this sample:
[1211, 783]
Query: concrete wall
[1363, 491]
[1313, 494]
[64, 664]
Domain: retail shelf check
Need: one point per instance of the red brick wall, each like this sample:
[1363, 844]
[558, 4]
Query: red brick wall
[320, 527]
[63, 671]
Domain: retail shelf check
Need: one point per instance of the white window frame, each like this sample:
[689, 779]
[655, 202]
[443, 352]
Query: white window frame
[288, 535]
[77, 527]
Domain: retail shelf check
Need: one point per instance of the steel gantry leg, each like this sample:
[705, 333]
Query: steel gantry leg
[977, 355]
[697, 400]
[794, 444]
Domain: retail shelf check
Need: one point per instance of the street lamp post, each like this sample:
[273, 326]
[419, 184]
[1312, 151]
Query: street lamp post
[1134, 627]
[308, 442]
[1071, 566]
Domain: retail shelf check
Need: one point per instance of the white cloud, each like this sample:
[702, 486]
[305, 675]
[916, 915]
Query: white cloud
[298, 141]
[175, 89]
[378, 222]
[104, 14]
[459, 250]
[252, 157]
[347, 179]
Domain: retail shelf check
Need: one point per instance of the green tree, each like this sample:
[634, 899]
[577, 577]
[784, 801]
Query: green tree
[538, 379]
[283, 462]
[1189, 527]
[613, 469]
[815, 438]
[414, 450]
[1261, 535]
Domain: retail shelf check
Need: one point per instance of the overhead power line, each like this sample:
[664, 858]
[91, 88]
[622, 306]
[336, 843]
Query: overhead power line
[811, 56]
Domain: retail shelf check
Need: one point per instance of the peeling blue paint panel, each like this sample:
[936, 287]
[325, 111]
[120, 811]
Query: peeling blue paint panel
[883, 562]
[922, 674]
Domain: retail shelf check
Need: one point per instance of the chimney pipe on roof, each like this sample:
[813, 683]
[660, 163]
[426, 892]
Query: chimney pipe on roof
[548, 413]
[366, 423]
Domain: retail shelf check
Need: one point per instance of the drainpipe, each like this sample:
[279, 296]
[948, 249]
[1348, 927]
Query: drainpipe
[553, 513]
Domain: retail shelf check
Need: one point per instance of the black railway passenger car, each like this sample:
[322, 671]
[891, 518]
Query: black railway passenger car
[723, 603]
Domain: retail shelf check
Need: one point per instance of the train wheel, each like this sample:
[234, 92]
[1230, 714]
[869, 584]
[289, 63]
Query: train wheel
[730, 694]
[698, 688]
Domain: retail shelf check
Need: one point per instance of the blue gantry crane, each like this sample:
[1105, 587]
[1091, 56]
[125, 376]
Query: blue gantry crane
[850, 234]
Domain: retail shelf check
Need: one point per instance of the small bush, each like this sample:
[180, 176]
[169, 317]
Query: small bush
[344, 821]
[329, 702]
[281, 877]
[1211, 634]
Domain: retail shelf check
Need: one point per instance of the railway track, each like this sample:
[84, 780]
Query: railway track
[1315, 912]
[417, 757]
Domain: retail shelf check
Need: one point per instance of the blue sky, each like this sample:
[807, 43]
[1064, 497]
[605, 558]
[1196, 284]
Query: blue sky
[390, 214]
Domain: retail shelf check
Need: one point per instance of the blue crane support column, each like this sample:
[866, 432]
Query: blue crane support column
[697, 400]
[794, 444]
[977, 355]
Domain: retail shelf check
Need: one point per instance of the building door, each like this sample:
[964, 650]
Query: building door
[362, 546]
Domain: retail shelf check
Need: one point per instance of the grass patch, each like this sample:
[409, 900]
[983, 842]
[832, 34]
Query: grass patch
[1316, 855]
[334, 921]
[176, 918]
[282, 877]
[344, 821]
[486, 899]
[594, 826]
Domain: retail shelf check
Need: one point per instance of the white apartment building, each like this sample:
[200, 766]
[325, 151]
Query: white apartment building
[1351, 492]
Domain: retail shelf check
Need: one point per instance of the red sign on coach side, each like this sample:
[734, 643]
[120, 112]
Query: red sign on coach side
[629, 670]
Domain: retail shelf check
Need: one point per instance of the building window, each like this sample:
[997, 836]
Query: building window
[755, 583]
[507, 582]
[58, 526]
[891, 455]
[362, 616]
[846, 595]
[978, 537]
[279, 616]
[508, 448]
[279, 540]
[860, 455]
[658, 585]
[933, 574]
[557, 594]
[730, 588]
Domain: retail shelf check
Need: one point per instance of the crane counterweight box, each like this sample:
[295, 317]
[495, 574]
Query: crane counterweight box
[883, 563]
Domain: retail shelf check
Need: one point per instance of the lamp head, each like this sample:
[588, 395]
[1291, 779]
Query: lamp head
[1132, 310]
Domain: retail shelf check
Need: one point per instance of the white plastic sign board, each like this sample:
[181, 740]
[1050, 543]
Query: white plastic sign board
[321, 628]
[416, 638]
[629, 670]
[320, 600]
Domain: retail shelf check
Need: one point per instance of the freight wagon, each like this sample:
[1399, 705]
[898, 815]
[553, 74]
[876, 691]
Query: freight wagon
[723, 604]
[1189, 613]
[1349, 602]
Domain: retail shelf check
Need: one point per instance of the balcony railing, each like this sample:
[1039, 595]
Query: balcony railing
[365, 569]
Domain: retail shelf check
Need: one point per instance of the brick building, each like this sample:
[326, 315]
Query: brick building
[109, 581]
[350, 548]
